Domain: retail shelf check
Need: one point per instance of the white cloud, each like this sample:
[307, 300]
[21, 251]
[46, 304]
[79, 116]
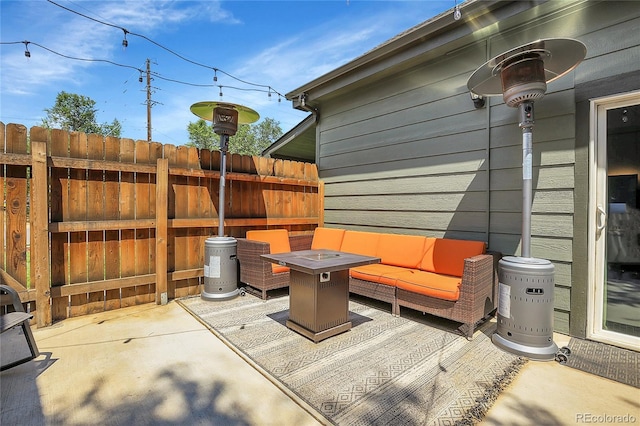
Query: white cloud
[304, 57]
[75, 36]
[150, 15]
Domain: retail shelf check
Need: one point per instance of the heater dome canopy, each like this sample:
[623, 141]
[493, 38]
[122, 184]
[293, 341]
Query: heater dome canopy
[205, 111]
[522, 73]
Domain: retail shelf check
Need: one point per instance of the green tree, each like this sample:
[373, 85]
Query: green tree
[248, 140]
[201, 135]
[74, 112]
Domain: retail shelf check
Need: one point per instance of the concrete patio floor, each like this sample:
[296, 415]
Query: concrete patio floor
[153, 364]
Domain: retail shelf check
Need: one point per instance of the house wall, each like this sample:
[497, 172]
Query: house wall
[409, 153]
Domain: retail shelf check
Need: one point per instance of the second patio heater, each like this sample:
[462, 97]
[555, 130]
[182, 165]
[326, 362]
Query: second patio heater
[526, 284]
[220, 261]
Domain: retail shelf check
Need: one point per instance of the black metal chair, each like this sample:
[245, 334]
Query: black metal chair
[12, 317]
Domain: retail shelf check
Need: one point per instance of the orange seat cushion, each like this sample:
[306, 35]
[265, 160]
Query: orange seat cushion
[446, 256]
[364, 243]
[377, 273]
[327, 238]
[430, 284]
[278, 240]
[401, 250]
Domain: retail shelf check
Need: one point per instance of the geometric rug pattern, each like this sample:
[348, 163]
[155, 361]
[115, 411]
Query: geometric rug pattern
[611, 362]
[386, 370]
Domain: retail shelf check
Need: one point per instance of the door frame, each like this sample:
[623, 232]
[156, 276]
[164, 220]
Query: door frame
[597, 218]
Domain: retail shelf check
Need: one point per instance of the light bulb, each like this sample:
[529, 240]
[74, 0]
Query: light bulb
[456, 14]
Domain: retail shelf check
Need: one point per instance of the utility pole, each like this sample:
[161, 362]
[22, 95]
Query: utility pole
[148, 100]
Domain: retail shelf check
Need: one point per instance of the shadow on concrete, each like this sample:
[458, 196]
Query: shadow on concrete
[19, 396]
[176, 400]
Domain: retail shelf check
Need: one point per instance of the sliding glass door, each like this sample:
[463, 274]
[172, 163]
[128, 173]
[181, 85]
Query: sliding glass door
[615, 225]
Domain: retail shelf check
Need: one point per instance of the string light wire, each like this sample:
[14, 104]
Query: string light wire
[125, 43]
[141, 71]
[26, 43]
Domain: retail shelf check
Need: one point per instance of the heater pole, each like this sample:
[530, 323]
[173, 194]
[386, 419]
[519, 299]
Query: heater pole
[224, 146]
[526, 124]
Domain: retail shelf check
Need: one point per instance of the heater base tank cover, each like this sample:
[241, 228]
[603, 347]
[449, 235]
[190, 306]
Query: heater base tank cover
[205, 111]
[523, 72]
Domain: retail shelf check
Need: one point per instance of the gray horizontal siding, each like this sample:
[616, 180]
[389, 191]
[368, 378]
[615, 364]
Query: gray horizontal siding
[425, 202]
[409, 153]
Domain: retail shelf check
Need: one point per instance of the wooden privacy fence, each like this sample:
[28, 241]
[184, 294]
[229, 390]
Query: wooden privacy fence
[91, 223]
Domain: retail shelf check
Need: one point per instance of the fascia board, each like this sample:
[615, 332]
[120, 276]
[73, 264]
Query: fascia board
[428, 36]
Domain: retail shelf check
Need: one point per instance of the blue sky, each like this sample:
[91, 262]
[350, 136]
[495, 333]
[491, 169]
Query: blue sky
[281, 44]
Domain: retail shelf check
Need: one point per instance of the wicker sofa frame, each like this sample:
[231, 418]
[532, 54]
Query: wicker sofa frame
[257, 273]
[477, 301]
[478, 295]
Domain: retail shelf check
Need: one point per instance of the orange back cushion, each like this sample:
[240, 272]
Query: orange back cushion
[448, 255]
[327, 238]
[401, 250]
[427, 261]
[278, 240]
[364, 243]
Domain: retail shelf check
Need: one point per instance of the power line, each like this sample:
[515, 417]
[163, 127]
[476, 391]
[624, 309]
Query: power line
[125, 43]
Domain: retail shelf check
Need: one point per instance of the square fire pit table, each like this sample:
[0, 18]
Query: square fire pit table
[319, 290]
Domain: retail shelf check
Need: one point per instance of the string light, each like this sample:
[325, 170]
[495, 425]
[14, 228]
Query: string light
[27, 53]
[215, 70]
[67, 56]
[125, 43]
[456, 13]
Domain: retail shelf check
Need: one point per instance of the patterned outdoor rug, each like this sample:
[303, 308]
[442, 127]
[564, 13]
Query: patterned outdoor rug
[621, 365]
[385, 371]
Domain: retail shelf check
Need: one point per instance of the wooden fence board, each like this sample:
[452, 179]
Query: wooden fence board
[16, 208]
[78, 200]
[3, 254]
[127, 201]
[59, 187]
[112, 237]
[193, 210]
[162, 207]
[142, 210]
[96, 210]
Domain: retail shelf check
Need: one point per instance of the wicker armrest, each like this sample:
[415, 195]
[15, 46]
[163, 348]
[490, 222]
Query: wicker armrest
[479, 287]
[251, 264]
[300, 242]
[257, 272]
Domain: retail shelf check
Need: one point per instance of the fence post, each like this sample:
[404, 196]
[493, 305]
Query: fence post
[162, 192]
[320, 203]
[39, 218]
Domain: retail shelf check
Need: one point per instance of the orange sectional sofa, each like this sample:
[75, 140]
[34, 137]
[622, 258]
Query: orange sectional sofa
[453, 279]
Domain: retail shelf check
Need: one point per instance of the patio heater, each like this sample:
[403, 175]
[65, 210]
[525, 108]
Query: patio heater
[220, 264]
[526, 284]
